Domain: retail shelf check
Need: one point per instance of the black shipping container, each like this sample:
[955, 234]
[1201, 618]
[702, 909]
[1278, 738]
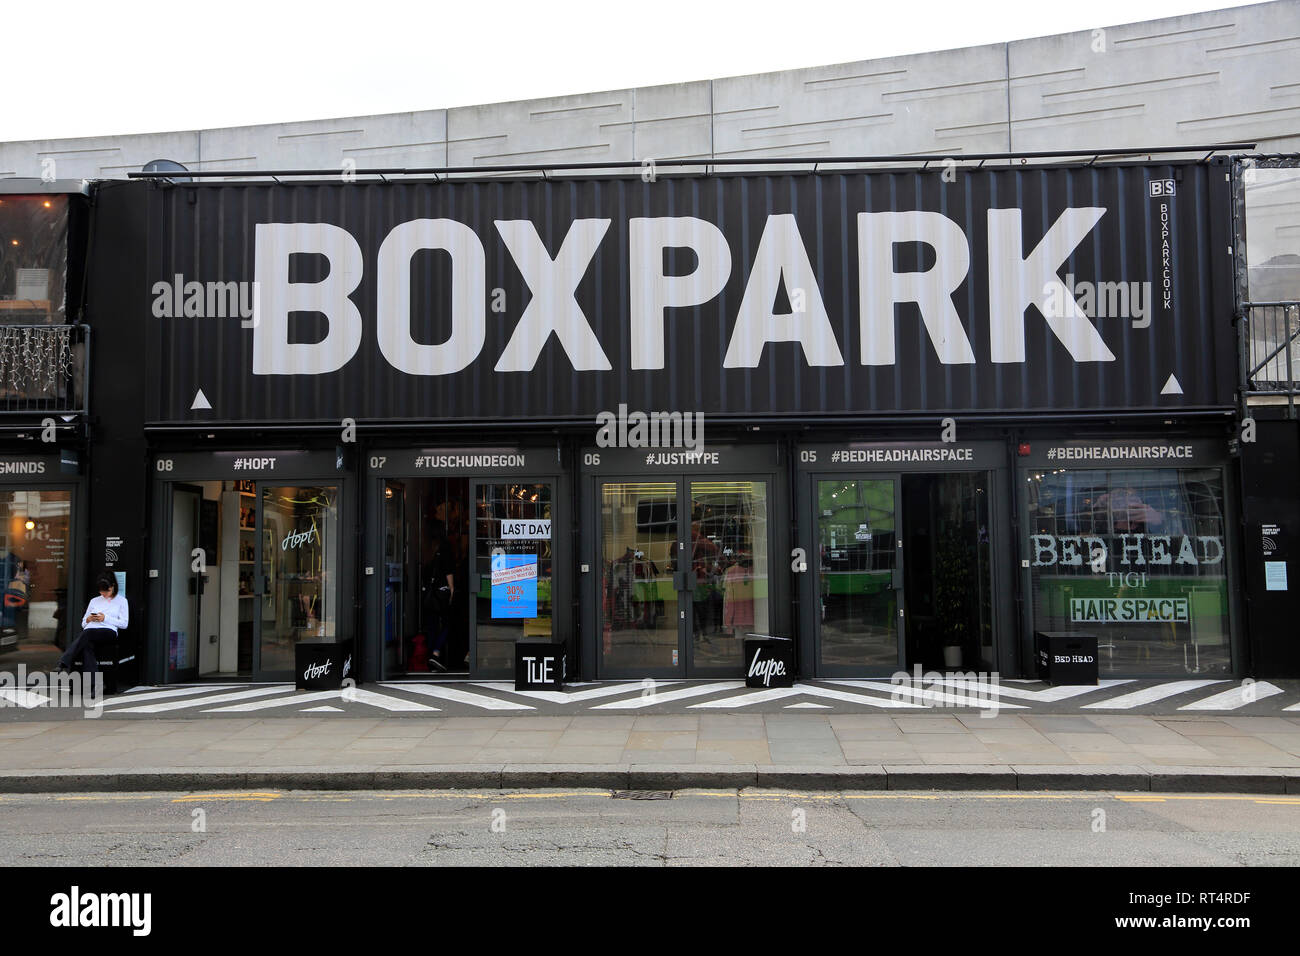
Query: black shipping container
[780, 296]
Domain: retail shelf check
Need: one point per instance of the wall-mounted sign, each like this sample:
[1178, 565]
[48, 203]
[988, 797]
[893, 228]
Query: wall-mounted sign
[1275, 576]
[1271, 538]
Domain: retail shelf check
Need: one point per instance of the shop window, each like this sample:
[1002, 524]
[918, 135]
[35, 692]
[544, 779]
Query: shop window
[33, 259]
[35, 539]
[1137, 558]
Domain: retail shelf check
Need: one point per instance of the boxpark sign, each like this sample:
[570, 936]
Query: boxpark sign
[758, 295]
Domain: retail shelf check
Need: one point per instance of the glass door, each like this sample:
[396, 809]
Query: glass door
[514, 568]
[643, 566]
[729, 571]
[859, 575]
[187, 580]
[297, 572]
[683, 575]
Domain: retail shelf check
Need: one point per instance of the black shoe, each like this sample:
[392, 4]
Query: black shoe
[435, 664]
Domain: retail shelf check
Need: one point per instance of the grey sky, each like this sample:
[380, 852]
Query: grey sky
[86, 69]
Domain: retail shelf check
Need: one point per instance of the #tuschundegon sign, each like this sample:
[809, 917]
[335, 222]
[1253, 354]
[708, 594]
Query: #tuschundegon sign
[757, 296]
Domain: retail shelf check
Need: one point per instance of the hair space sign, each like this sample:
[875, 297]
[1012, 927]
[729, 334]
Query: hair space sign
[752, 294]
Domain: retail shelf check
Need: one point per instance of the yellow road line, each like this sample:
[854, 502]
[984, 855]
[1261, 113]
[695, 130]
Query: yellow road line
[605, 794]
[261, 797]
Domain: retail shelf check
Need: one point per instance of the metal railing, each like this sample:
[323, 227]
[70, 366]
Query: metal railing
[710, 164]
[43, 368]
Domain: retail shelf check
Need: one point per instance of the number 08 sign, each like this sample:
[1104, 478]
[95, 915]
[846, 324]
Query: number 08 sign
[514, 585]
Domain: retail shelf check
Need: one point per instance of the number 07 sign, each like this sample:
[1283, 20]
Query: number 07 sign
[514, 585]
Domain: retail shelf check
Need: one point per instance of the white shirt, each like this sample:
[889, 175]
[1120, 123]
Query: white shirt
[114, 611]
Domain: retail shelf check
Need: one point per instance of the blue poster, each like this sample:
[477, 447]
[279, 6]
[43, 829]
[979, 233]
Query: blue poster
[514, 585]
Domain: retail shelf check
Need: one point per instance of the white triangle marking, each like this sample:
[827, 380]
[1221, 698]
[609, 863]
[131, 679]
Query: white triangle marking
[322, 709]
[1172, 387]
[24, 698]
[200, 402]
[808, 703]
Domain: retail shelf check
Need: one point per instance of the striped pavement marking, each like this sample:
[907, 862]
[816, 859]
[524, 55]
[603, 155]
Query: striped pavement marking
[172, 693]
[1235, 697]
[809, 690]
[278, 702]
[383, 700]
[753, 697]
[1046, 695]
[1222, 695]
[460, 696]
[169, 705]
[667, 697]
[953, 698]
[1149, 695]
[586, 693]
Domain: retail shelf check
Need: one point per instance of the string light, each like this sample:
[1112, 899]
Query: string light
[35, 360]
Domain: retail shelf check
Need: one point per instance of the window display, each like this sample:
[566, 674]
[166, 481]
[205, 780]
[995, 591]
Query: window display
[35, 540]
[1137, 558]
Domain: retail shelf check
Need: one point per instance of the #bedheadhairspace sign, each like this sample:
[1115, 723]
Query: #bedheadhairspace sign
[756, 295]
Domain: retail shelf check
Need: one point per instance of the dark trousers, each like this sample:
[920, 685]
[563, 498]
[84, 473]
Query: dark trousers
[84, 647]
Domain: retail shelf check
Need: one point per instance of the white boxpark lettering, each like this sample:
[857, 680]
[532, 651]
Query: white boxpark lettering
[653, 292]
[881, 287]
[553, 307]
[468, 297]
[273, 354]
[1016, 282]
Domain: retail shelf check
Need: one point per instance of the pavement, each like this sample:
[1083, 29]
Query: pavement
[141, 745]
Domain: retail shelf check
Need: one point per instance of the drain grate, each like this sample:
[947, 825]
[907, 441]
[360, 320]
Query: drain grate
[642, 794]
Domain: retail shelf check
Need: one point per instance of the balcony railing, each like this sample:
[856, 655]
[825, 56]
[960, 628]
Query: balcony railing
[1271, 346]
[43, 368]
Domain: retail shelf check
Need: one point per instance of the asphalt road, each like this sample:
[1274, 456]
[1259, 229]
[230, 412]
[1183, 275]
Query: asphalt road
[698, 827]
